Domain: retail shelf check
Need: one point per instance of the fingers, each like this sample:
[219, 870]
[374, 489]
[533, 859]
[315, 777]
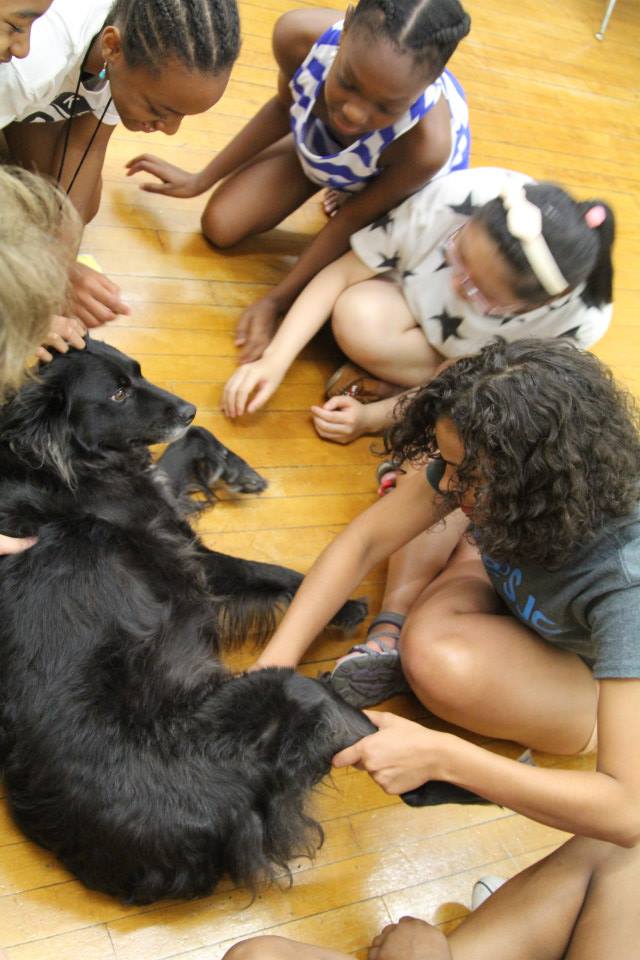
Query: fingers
[236, 391]
[255, 328]
[13, 545]
[262, 394]
[242, 329]
[96, 299]
[63, 333]
[144, 163]
[241, 385]
[332, 425]
[70, 329]
[349, 757]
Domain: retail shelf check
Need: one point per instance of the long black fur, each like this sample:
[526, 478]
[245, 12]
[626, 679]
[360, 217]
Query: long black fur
[128, 748]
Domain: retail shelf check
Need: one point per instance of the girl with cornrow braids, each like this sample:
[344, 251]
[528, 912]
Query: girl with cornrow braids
[145, 63]
[364, 108]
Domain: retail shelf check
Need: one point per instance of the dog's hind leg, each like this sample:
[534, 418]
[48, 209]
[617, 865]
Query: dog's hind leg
[251, 593]
[198, 463]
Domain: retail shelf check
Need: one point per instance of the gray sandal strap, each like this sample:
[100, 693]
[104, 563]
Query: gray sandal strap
[388, 616]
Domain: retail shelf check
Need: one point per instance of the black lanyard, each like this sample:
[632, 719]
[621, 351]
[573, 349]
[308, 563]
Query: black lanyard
[67, 132]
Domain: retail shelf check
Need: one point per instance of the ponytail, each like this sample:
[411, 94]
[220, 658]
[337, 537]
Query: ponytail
[582, 252]
[599, 284]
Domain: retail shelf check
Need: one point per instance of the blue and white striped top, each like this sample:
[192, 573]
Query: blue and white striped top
[329, 163]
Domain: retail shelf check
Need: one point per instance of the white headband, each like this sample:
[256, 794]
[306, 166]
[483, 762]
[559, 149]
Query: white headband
[524, 222]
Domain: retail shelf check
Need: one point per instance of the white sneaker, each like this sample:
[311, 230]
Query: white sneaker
[483, 888]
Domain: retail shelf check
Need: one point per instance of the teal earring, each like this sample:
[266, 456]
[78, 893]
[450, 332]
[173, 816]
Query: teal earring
[103, 73]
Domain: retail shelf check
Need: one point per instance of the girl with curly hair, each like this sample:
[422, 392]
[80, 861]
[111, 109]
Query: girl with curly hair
[522, 621]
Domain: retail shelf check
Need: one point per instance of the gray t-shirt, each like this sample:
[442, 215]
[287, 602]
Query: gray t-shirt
[590, 606]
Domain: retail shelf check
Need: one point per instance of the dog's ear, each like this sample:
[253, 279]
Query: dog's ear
[35, 424]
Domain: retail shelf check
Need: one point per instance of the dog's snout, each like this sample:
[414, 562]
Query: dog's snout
[186, 413]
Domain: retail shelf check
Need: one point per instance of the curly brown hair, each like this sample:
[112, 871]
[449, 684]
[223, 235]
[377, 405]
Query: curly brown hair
[554, 438]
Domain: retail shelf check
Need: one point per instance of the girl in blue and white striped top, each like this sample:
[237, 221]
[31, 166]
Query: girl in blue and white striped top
[364, 107]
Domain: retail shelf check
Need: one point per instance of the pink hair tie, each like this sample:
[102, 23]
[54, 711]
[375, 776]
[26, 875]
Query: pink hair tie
[595, 216]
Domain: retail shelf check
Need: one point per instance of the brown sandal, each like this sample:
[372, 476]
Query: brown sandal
[352, 381]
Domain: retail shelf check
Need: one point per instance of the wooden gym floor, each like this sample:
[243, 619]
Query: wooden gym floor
[545, 98]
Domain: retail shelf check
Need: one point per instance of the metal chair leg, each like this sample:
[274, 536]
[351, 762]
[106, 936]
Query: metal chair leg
[605, 20]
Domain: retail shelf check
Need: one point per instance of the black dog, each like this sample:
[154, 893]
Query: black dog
[128, 749]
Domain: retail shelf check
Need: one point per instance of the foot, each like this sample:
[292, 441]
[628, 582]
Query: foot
[410, 939]
[484, 888]
[332, 200]
[371, 672]
[387, 475]
[352, 381]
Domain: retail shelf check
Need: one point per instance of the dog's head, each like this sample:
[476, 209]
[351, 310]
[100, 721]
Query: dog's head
[87, 402]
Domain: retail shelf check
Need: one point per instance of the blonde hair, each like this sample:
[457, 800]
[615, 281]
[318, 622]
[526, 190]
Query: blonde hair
[39, 235]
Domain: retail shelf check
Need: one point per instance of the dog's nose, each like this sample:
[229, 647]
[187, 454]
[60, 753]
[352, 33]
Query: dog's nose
[186, 412]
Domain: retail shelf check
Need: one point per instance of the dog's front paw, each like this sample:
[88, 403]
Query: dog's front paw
[439, 791]
[350, 615]
[239, 477]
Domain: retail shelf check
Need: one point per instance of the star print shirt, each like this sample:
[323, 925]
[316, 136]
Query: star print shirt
[409, 240]
[40, 88]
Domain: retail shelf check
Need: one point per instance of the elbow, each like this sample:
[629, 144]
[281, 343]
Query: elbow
[627, 838]
[624, 826]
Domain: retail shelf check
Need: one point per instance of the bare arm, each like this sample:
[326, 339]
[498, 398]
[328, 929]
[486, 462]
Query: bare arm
[407, 165]
[370, 538]
[87, 187]
[293, 35]
[304, 319]
[604, 804]
[269, 125]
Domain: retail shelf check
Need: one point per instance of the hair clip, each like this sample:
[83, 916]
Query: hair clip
[595, 216]
[524, 223]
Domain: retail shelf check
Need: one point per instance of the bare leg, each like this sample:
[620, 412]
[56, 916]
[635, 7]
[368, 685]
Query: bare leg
[432, 945]
[412, 568]
[279, 948]
[454, 638]
[258, 196]
[375, 328]
[579, 903]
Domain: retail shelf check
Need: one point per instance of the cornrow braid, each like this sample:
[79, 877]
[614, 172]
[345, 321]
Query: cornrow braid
[204, 35]
[429, 29]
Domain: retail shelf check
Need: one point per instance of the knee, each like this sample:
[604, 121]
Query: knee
[220, 227]
[352, 324]
[256, 948]
[438, 661]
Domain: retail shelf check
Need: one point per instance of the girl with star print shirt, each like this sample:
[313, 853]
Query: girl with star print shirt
[472, 255]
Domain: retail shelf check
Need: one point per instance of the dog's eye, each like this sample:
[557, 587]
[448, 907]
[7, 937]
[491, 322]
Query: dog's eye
[120, 395]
